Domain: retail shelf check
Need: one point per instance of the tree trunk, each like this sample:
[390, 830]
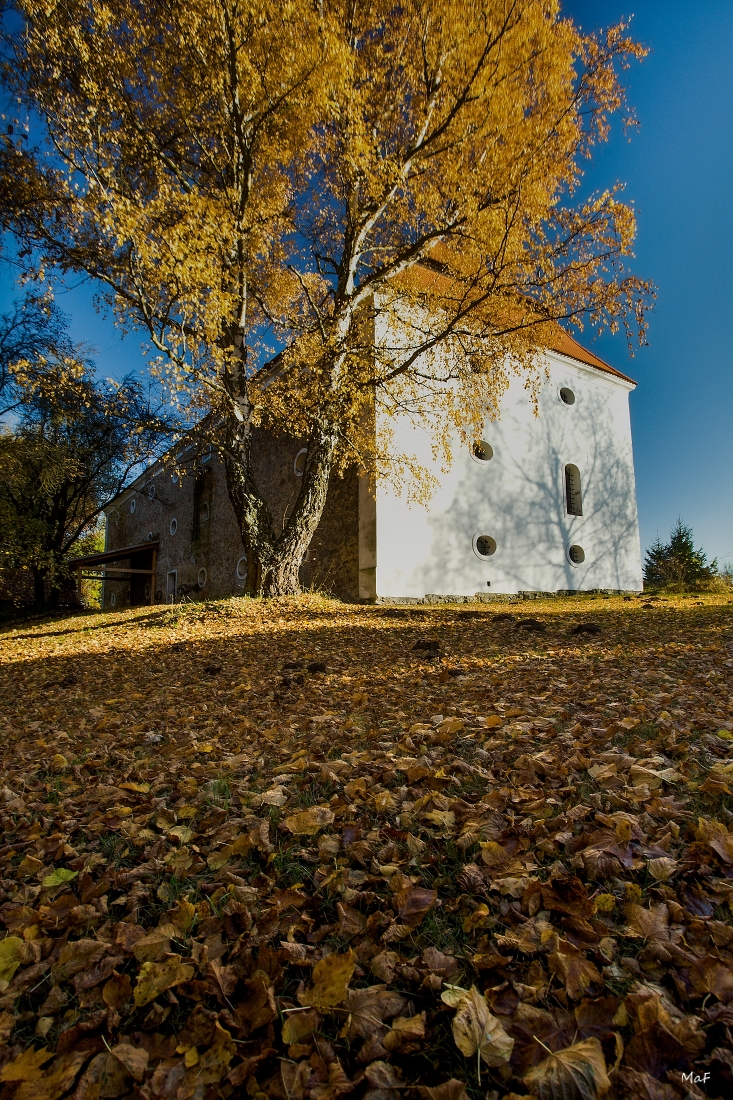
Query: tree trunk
[54, 595]
[274, 559]
[39, 587]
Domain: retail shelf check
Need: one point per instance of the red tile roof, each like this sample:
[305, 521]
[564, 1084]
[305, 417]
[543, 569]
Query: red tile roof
[565, 344]
[434, 275]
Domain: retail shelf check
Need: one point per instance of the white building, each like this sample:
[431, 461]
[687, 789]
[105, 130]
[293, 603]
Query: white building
[545, 503]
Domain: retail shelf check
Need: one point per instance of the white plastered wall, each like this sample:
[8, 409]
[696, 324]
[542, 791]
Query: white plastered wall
[518, 498]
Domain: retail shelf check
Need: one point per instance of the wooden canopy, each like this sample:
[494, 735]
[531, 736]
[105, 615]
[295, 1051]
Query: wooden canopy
[142, 563]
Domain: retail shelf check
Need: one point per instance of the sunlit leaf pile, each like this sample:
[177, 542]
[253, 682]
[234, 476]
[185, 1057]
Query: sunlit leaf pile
[303, 850]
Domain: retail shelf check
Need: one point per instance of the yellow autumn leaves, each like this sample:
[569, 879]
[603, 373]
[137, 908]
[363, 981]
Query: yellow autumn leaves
[269, 118]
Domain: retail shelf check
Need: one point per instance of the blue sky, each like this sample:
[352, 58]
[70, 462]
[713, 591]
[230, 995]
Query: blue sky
[678, 169]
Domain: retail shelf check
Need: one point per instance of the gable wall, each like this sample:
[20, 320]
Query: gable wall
[518, 498]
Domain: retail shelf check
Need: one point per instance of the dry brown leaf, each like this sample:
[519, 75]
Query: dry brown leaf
[414, 903]
[155, 978]
[309, 822]
[214, 1062]
[576, 1073]
[117, 991]
[711, 975]
[369, 1008]
[476, 1031]
[300, 1025]
[406, 1034]
[56, 1080]
[27, 1066]
[448, 1090]
[331, 977]
[134, 1059]
[77, 955]
[10, 956]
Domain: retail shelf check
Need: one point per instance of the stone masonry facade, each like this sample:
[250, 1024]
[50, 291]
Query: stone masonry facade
[186, 511]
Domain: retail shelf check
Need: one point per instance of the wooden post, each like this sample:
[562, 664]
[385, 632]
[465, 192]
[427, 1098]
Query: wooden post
[152, 579]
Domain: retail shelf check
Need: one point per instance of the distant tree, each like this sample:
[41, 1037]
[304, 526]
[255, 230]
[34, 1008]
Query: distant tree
[677, 563]
[71, 443]
[35, 333]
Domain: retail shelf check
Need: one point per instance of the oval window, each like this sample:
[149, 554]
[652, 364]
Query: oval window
[202, 577]
[204, 511]
[150, 536]
[299, 464]
[242, 569]
[484, 546]
[481, 450]
[567, 396]
[173, 527]
[113, 599]
[576, 554]
[147, 591]
[133, 506]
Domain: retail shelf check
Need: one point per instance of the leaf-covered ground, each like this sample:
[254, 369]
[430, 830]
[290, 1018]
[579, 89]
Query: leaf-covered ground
[304, 850]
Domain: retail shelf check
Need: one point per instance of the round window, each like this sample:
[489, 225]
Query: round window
[202, 578]
[113, 599]
[576, 554]
[173, 527]
[147, 591]
[567, 396]
[242, 569]
[299, 464]
[481, 450]
[133, 505]
[484, 546]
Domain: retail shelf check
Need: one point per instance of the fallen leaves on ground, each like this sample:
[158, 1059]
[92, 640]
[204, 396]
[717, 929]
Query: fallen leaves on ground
[305, 851]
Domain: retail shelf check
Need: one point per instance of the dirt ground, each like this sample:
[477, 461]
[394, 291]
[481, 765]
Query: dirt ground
[304, 850]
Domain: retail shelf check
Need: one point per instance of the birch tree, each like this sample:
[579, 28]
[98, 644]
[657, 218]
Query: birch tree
[241, 178]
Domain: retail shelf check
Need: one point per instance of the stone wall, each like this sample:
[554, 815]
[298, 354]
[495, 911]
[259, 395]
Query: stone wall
[188, 511]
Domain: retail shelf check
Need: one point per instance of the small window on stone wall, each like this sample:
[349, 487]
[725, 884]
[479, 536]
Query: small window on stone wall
[202, 578]
[242, 569]
[173, 526]
[113, 600]
[204, 512]
[133, 506]
[299, 464]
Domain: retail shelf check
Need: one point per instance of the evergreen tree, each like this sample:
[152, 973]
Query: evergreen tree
[677, 563]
